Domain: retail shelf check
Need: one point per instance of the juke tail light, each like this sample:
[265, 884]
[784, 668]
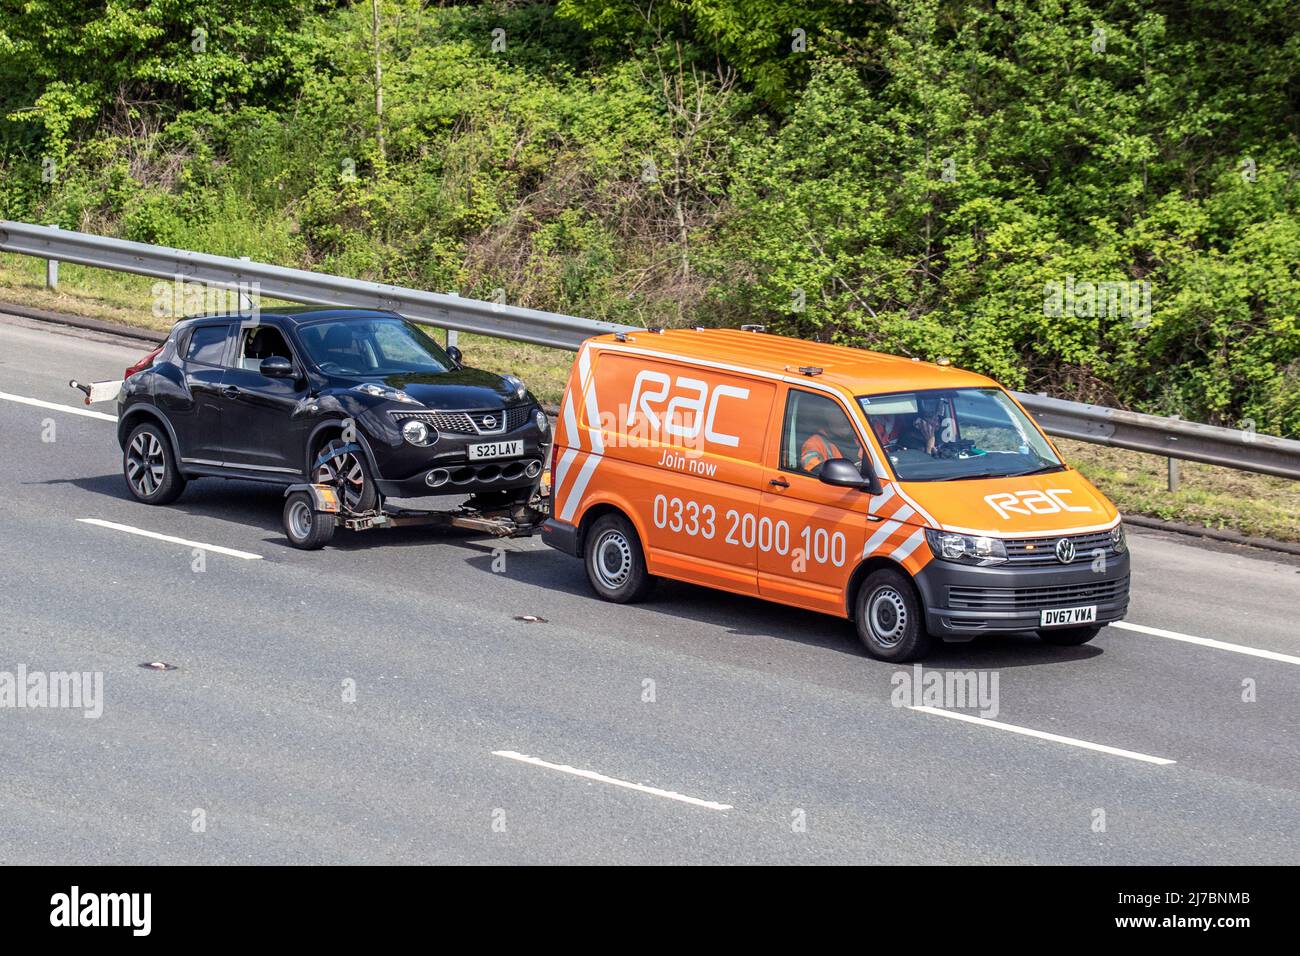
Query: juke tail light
[143, 364]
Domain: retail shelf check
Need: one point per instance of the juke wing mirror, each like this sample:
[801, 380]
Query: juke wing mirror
[844, 474]
[276, 366]
[456, 355]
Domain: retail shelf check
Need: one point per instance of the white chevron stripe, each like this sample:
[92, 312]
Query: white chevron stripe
[910, 545]
[879, 538]
[589, 466]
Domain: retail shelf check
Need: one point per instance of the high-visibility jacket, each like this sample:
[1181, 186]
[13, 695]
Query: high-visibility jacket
[816, 450]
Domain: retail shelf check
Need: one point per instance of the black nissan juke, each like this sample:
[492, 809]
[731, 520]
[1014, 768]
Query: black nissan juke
[360, 399]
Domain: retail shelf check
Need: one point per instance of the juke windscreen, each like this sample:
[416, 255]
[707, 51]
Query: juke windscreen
[374, 347]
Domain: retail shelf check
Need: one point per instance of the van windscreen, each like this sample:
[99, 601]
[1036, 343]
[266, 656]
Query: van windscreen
[957, 433]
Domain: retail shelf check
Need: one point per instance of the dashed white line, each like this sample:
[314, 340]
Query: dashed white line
[214, 548]
[612, 781]
[54, 406]
[1043, 735]
[1208, 642]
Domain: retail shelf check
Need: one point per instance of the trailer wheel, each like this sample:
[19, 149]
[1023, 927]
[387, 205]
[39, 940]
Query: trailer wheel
[305, 527]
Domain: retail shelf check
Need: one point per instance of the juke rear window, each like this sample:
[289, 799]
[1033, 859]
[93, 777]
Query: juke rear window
[207, 344]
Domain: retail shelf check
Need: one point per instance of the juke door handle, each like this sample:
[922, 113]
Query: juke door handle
[231, 391]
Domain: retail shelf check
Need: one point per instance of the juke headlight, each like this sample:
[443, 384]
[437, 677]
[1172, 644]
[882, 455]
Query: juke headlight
[968, 549]
[418, 433]
[542, 424]
[383, 391]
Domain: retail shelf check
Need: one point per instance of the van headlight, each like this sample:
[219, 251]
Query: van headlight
[1117, 539]
[970, 549]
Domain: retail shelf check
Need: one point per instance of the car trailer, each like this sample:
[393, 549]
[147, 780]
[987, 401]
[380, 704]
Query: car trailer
[313, 512]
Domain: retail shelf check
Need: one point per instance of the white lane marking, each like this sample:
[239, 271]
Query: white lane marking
[214, 548]
[601, 778]
[1043, 735]
[71, 409]
[1208, 642]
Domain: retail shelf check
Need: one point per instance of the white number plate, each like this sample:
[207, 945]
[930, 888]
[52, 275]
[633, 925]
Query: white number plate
[1066, 616]
[496, 449]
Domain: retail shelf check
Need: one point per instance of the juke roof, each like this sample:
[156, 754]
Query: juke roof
[855, 370]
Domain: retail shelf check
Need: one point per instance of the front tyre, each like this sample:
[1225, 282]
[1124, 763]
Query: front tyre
[615, 562]
[1069, 636]
[304, 526]
[149, 466]
[348, 474]
[890, 620]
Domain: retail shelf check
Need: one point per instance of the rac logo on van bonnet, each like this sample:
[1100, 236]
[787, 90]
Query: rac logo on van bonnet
[1032, 502]
[651, 388]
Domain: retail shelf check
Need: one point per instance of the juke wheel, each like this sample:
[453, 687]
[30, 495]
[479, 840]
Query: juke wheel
[348, 473]
[150, 467]
[615, 562]
[890, 620]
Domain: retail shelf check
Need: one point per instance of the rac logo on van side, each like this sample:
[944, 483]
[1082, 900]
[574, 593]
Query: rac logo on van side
[1007, 503]
[651, 388]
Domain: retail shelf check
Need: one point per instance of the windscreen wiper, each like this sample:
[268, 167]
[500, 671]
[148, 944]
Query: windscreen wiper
[1037, 471]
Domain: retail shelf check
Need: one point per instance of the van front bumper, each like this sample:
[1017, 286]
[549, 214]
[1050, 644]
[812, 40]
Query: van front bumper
[963, 600]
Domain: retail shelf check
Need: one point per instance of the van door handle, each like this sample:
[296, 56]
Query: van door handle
[778, 483]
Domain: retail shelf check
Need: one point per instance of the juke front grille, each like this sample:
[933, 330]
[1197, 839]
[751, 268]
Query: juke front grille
[471, 422]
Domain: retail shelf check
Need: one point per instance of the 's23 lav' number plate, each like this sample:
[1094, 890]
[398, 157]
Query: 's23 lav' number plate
[496, 449]
[1067, 616]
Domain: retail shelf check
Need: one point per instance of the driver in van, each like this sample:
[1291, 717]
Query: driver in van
[920, 434]
[832, 437]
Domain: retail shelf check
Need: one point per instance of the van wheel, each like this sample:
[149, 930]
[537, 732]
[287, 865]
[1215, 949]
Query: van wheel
[891, 623]
[615, 561]
[149, 466]
[1070, 636]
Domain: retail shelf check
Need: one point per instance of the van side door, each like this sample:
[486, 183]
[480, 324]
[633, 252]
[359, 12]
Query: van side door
[811, 534]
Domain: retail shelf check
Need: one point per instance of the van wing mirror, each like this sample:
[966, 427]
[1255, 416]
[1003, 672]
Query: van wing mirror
[844, 474]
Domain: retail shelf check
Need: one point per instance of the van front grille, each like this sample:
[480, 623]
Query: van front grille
[1041, 552]
[1036, 599]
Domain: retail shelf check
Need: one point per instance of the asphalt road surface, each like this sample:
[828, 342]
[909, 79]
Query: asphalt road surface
[381, 700]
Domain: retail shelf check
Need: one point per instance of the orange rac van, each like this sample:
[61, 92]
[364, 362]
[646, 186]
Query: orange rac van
[918, 500]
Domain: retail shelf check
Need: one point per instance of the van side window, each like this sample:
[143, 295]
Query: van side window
[816, 430]
[207, 344]
[259, 342]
